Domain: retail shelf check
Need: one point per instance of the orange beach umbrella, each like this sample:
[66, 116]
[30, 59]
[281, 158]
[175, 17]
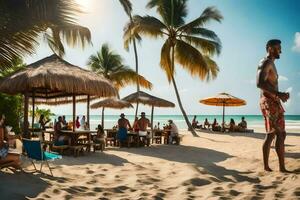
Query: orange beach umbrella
[223, 99]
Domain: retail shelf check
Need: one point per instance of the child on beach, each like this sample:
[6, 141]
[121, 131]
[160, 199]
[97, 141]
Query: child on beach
[100, 137]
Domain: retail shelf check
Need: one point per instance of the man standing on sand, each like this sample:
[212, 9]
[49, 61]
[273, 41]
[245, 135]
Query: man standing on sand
[272, 110]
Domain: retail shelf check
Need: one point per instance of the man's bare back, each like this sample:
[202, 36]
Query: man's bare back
[143, 123]
[123, 123]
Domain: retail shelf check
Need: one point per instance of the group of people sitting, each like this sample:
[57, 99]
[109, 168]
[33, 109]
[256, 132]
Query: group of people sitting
[241, 127]
[140, 126]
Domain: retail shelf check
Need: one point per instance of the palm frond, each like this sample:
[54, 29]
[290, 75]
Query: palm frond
[127, 76]
[130, 35]
[206, 33]
[172, 12]
[209, 14]
[206, 46]
[165, 60]
[213, 68]
[22, 22]
[146, 25]
[127, 6]
[191, 59]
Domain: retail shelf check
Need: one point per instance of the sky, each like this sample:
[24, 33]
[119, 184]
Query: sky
[247, 26]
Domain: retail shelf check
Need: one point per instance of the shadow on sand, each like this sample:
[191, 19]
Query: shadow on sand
[21, 185]
[92, 158]
[200, 157]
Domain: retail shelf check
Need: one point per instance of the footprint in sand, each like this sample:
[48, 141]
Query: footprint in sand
[196, 182]
[297, 192]
[56, 191]
[234, 193]
[91, 182]
[97, 189]
[90, 172]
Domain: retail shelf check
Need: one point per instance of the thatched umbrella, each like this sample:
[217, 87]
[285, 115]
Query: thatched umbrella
[144, 98]
[223, 99]
[54, 78]
[111, 103]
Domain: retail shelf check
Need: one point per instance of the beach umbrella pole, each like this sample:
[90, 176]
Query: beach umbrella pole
[102, 120]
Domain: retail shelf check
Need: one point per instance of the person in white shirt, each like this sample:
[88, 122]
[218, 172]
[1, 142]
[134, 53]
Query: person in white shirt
[173, 132]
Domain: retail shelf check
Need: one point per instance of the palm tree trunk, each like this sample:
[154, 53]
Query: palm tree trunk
[136, 70]
[190, 128]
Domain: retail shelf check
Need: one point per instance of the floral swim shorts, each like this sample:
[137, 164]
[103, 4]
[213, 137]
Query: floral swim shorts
[273, 113]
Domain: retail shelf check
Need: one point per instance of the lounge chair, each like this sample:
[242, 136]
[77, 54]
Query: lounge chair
[35, 152]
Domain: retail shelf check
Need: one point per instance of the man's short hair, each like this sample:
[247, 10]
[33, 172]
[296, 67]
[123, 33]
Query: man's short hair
[272, 43]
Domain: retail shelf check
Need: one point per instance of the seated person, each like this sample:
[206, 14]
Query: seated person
[232, 126]
[60, 138]
[195, 122]
[123, 126]
[206, 124]
[215, 126]
[173, 133]
[135, 125]
[99, 139]
[143, 124]
[242, 125]
[7, 159]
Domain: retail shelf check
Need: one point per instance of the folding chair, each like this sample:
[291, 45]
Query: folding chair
[35, 152]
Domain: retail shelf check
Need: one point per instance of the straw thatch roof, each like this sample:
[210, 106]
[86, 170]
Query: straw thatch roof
[53, 77]
[112, 103]
[62, 100]
[144, 98]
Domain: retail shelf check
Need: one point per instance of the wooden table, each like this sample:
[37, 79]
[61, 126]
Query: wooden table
[75, 134]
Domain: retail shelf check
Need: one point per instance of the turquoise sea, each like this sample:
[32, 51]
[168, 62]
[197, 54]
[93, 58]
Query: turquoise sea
[254, 121]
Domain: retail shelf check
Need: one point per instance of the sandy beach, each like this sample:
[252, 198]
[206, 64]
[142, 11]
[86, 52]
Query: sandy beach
[212, 166]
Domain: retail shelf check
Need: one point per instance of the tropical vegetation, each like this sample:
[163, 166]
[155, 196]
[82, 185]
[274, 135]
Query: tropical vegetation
[23, 22]
[189, 44]
[110, 65]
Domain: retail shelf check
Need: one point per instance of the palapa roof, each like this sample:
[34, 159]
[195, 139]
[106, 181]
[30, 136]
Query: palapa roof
[223, 99]
[62, 100]
[112, 103]
[53, 77]
[144, 98]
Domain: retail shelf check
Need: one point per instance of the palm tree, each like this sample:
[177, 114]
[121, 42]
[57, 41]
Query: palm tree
[22, 22]
[128, 9]
[189, 44]
[110, 65]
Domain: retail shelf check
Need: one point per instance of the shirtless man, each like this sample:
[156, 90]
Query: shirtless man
[272, 110]
[143, 124]
[123, 122]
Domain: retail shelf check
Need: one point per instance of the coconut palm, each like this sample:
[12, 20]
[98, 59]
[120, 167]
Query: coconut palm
[22, 22]
[110, 65]
[189, 44]
[128, 9]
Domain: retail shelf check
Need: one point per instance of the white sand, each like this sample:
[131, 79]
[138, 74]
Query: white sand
[212, 166]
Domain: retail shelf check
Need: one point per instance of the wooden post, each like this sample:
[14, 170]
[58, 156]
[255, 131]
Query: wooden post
[25, 123]
[88, 112]
[223, 124]
[33, 110]
[74, 112]
[152, 111]
[102, 121]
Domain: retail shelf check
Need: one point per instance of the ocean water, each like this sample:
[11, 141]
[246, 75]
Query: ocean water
[254, 121]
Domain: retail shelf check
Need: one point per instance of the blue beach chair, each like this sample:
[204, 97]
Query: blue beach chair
[34, 151]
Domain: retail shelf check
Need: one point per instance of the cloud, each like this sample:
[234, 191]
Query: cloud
[296, 46]
[282, 78]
